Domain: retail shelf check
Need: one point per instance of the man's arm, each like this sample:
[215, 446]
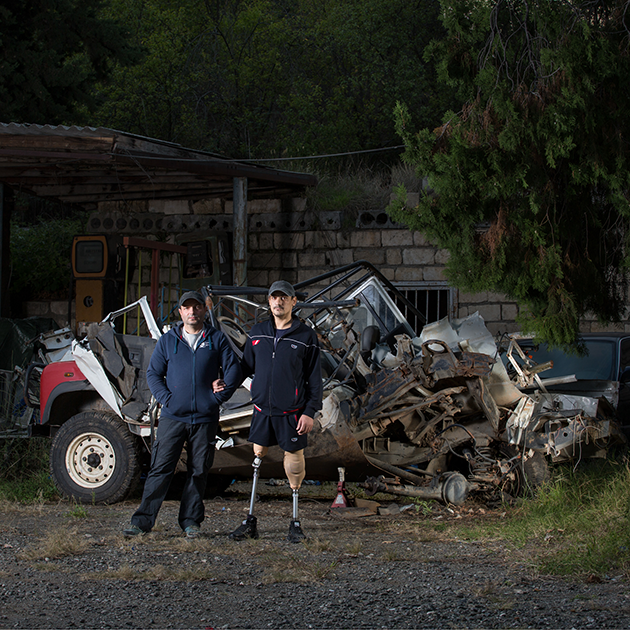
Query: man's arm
[156, 373]
[232, 376]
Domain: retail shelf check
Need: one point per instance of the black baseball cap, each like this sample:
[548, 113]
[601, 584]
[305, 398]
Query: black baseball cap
[191, 295]
[282, 286]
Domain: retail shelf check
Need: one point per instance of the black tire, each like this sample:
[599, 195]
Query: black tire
[523, 477]
[94, 458]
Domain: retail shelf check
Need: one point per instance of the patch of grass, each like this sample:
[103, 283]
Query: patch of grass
[24, 475]
[354, 548]
[77, 510]
[578, 524]
[158, 572]
[57, 544]
[286, 567]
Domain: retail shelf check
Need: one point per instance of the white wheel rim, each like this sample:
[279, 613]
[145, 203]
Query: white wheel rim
[90, 460]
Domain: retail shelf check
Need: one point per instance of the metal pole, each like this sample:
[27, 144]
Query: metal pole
[239, 214]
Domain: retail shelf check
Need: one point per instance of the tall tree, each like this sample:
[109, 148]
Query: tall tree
[268, 78]
[529, 183]
[52, 53]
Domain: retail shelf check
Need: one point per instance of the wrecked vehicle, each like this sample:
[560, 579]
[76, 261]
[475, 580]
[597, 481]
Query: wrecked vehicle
[432, 415]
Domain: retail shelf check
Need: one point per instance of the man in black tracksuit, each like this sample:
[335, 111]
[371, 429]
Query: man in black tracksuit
[282, 354]
[185, 363]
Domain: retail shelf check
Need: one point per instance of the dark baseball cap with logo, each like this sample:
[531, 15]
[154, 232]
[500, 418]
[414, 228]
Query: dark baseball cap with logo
[191, 295]
[282, 286]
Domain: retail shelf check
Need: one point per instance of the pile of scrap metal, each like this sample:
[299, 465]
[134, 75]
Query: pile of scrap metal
[434, 415]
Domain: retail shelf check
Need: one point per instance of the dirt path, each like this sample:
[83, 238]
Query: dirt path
[65, 566]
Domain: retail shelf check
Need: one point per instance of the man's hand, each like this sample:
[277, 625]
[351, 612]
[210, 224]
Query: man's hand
[218, 385]
[304, 425]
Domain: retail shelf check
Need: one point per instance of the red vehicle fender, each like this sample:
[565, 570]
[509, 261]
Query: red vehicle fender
[58, 378]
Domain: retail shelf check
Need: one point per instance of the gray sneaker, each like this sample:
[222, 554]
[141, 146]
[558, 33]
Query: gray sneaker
[132, 530]
[192, 531]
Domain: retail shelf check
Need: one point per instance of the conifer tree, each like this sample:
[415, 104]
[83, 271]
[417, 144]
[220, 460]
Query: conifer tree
[529, 183]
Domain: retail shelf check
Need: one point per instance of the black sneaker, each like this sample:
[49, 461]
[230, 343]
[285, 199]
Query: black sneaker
[296, 534]
[247, 529]
[132, 530]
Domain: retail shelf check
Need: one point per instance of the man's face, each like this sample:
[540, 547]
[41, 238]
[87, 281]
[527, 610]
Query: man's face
[192, 313]
[281, 305]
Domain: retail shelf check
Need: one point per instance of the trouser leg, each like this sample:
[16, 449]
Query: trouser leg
[200, 449]
[164, 457]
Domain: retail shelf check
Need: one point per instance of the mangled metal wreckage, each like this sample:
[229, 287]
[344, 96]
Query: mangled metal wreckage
[433, 415]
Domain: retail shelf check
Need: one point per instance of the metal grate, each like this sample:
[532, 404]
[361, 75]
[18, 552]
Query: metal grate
[434, 300]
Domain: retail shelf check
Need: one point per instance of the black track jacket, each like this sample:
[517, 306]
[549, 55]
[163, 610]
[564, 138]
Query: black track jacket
[287, 373]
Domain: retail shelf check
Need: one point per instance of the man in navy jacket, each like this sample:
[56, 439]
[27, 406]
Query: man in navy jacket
[282, 354]
[184, 364]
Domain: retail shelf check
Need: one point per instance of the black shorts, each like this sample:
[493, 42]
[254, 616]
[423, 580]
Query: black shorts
[280, 430]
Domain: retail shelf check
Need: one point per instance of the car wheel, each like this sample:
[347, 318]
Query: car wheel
[94, 458]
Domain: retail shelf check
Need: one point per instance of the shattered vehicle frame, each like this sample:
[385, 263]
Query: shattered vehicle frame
[431, 413]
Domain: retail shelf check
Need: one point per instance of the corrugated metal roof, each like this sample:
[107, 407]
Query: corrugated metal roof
[85, 165]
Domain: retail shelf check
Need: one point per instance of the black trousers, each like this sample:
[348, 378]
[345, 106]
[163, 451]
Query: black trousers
[200, 440]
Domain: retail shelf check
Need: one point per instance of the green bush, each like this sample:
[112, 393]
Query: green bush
[40, 258]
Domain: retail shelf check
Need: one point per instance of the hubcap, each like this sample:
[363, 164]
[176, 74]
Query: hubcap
[90, 460]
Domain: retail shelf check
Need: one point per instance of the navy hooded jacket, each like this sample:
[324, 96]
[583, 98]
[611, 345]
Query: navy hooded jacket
[287, 372]
[181, 378]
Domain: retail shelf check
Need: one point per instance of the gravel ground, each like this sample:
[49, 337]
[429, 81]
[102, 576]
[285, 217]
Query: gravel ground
[68, 566]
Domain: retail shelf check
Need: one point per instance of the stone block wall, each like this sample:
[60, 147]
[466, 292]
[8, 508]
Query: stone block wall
[288, 240]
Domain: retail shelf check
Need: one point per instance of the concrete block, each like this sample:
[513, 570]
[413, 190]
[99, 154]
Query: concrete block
[170, 206]
[289, 260]
[311, 259]
[442, 256]
[396, 238]
[489, 312]
[288, 241]
[320, 239]
[509, 311]
[266, 260]
[376, 256]
[419, 256]
[365, 238]
[265, 241]
[339, 257]
[434, 274]
[409, 274]
[208, 206]
[252, 242]
[36, 308]
[393, 256]
[420, 240]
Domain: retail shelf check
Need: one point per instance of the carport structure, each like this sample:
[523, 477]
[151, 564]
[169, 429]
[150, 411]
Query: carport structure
[85, 165]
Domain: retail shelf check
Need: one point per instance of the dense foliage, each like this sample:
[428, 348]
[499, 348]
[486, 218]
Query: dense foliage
[40, 258]
[52, 54]
[272, 78]
[529, 181]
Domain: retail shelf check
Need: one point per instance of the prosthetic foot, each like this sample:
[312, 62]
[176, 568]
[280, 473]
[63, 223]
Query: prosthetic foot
[248, 528]
[295, 468]
[296, 534]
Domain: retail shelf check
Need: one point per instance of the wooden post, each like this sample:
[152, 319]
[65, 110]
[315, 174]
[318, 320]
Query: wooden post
[239, 215]
[6, 205]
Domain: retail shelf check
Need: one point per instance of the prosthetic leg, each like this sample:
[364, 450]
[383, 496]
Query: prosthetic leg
[248, 528]
[295, 468]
